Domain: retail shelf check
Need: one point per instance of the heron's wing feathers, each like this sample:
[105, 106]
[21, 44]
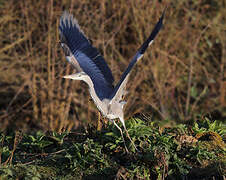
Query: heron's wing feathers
[118, 95]
[119, 88]
[69, 56]
[76, 45]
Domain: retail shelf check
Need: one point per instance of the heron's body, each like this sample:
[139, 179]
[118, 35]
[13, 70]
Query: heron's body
[106, 106]
[93, 70]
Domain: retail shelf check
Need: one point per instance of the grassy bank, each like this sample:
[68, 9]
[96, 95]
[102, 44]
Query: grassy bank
[195, 151]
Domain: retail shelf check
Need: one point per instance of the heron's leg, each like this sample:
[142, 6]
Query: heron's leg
[121, 135]
[130, 138]
[123, 123]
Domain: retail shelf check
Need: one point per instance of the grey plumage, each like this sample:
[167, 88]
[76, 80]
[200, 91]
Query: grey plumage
[91, 67]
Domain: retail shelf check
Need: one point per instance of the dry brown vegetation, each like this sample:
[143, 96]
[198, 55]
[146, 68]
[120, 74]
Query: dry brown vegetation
[181, 76]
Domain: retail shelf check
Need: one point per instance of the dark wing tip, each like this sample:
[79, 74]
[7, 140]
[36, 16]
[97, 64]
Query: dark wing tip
[164, 11]
[67, 20]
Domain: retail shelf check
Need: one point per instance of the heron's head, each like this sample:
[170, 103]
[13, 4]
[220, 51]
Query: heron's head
[78, 76]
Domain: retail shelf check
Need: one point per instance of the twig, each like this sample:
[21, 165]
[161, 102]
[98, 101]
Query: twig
[191, 72]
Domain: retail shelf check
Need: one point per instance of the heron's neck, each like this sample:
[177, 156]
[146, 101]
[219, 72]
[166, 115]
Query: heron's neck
[101, 105]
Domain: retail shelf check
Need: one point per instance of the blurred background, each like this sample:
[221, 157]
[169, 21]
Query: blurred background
[181, 76]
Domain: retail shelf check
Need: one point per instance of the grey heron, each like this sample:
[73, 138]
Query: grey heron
[93, 70]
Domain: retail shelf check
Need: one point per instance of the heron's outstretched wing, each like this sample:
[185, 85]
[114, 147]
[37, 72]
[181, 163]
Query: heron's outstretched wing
[69, 56]
[76, 45]
[119, 88]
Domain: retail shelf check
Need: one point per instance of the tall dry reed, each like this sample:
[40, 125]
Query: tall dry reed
[181, 76]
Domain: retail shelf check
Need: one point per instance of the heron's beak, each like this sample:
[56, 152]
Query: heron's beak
[71, 76]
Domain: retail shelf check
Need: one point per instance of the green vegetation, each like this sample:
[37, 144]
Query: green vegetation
[192, 152]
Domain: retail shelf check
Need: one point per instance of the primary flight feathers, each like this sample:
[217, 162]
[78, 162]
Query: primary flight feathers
[82, 55]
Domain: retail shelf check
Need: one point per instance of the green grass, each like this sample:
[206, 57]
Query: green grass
[195, 151]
